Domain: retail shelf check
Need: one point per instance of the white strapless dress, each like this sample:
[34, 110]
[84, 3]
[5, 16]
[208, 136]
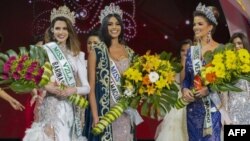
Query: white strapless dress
[173, 127]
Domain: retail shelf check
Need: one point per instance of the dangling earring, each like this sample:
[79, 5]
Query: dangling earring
[208, 37]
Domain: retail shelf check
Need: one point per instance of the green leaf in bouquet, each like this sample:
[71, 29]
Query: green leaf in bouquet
[177, 67]
[5, 81]
[214, 87]
[33, 52]
[229, 46]
[223, 88]
[135, 102]
[145, 109]
[153, 111]
[233, 88]
[174, 87]
[1, 66]
[164, 106]
[245, 77]
[3, 57]
[11, 52]
[219, 49]
[23, 50]
[21, 87]
[42, 55]
[208, 56]
[165, 55]
[170, 96]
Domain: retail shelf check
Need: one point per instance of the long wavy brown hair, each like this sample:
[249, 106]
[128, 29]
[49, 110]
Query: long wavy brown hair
[73, 43]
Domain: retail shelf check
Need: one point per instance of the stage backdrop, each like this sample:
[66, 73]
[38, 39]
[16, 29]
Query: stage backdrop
[150, 25]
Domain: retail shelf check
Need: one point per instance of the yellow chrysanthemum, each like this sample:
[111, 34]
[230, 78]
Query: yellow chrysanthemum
[218, 58]
[244, 56]
[219, 69]
[245, 68]
[231, 64]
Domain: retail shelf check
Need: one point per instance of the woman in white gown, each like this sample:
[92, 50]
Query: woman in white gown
[239, 102]
[174, 125]
[58, 119]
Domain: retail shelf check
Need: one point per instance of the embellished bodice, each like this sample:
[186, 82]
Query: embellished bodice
[239, 103]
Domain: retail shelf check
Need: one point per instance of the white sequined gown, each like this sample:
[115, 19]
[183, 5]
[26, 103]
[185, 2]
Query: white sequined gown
[55, 114]
[239, 104]
[121, 128]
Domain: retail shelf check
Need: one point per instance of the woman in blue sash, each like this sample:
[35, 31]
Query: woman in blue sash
[106, 63]
[203, 115]
[58, 119]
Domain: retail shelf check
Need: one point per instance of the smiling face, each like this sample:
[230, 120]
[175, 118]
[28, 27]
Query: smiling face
[114, 27]
[201, 27]
[238, 43]
[60, 31]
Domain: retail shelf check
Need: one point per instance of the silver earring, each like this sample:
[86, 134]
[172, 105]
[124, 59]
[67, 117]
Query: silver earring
[208, 37]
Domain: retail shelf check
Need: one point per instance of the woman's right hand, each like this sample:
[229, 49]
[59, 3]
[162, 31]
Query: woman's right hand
[16, 105]
[95, 121]
[53, 88]
[187, 95]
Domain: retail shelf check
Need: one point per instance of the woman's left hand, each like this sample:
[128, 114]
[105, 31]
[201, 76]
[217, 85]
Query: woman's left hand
[201, 93]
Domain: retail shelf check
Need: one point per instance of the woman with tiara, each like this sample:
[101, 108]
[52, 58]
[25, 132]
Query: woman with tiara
[57, 119]
[106, 62]
[204, 110]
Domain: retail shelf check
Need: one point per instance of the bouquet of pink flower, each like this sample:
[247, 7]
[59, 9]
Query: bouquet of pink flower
[28, 70]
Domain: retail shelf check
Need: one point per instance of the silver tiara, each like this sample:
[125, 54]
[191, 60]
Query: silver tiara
[63, 11]
[111, 9]
[207, 12]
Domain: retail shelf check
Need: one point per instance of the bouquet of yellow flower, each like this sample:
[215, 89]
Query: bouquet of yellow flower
[149, 83]
[226, 68]
[28, 70]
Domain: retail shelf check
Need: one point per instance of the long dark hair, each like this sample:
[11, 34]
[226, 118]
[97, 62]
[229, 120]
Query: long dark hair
[243, 38]
[72, 42]
[104, 33]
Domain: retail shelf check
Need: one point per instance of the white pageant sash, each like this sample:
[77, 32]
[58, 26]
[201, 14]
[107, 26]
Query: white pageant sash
[197, 64]
[196, 58]
[115, 81]
[61, 67]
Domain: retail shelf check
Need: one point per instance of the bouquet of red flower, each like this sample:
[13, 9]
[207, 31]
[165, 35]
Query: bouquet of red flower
[28, 70]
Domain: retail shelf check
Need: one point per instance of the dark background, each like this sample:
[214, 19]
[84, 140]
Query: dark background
[160, 26]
